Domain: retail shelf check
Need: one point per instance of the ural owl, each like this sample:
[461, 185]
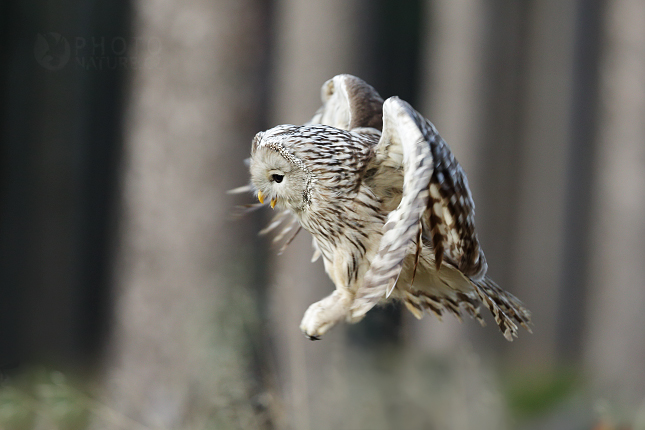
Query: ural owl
[388, 207]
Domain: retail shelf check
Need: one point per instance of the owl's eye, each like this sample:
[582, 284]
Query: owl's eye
[277, 178]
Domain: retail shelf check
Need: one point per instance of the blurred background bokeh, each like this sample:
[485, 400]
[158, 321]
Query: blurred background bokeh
[131, 299]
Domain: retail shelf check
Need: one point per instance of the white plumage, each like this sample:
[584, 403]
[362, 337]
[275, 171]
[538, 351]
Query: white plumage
[388, 207]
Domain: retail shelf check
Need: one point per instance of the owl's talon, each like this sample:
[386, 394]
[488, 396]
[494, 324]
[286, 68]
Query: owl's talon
[324, 314]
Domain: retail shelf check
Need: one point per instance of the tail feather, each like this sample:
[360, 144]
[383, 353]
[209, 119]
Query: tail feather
[418, 301]
[511, 307]
[507, 310]
[505, 307]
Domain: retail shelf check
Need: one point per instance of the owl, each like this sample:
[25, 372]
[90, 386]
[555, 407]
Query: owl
[388, 207]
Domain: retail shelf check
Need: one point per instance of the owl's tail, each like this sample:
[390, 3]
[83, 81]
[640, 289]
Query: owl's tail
[418, 301]
[505, 307]
[507, 310]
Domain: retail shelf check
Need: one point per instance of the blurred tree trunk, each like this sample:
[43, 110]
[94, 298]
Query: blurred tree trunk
[538, 246]
[615, 345]
[60, 141]
[187, 307]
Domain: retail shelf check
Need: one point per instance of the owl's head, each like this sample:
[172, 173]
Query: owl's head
[276, 173]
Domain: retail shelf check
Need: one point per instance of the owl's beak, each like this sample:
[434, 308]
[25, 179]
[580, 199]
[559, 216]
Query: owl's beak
[261, 199]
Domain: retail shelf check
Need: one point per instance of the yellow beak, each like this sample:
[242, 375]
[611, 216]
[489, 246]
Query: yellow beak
[261, 199]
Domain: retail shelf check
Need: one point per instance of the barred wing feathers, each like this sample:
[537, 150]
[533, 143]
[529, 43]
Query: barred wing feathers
[349, 103]
[402, 144]
[436, 206]
[435, 202]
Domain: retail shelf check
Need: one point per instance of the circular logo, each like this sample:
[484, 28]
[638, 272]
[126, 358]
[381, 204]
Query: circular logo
[51, 51]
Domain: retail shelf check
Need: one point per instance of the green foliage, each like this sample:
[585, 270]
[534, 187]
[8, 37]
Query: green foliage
[529, 395]
[44, 398]
[16, 412]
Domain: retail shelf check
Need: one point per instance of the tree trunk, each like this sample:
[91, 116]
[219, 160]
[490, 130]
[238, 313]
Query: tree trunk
[615, 345]
[187, 304]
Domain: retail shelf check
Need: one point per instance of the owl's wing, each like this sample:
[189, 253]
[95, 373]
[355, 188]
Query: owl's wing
[348, 103]
[435, 203]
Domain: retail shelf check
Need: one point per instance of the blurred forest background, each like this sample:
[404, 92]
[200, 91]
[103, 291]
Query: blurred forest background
[129, 298]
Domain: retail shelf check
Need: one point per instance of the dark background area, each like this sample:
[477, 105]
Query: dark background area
[62, 136]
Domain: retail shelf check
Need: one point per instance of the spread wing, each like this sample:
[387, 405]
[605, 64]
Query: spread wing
[348, 103]
[435, 204]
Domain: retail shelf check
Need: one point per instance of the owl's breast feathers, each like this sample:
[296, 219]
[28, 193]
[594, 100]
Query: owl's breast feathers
[346, 216]
[346, 219]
